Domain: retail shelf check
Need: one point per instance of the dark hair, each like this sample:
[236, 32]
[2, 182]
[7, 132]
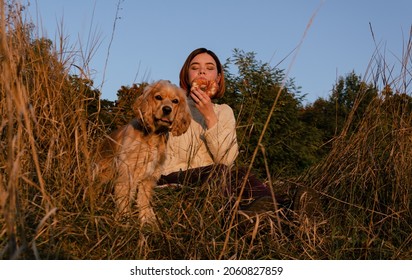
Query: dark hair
[184, 72]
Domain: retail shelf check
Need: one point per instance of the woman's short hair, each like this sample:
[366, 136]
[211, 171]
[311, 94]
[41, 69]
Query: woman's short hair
[184, 72]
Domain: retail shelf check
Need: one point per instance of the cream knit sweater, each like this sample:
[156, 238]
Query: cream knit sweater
[200, 146]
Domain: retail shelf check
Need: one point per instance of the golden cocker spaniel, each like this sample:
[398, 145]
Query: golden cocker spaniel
[135, 153]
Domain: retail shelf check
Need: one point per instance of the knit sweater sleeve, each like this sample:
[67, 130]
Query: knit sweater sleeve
[221, 138]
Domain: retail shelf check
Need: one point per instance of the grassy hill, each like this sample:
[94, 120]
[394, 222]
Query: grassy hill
[52, 208]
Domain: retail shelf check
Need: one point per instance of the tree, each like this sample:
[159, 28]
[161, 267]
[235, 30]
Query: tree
[126, 96]
[351, 96]
[344, 108]
[289, 145]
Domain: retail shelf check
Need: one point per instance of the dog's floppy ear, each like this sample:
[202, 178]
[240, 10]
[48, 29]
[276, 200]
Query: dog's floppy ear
[183, 116]
[143, 109]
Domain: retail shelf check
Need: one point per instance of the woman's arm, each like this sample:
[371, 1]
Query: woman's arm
[205, 106]
[221, 139]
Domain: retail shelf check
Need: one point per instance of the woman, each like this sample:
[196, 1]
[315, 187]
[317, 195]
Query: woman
[209, 148]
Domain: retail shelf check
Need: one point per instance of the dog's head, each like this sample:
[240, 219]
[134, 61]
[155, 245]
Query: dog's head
[163, 107]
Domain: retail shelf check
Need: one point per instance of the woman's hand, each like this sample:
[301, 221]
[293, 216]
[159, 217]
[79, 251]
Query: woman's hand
[204, 105]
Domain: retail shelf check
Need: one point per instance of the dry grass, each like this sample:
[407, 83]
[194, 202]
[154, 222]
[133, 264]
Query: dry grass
[366, 180]
[52, 209]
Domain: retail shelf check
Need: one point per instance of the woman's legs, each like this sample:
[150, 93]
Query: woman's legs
[252, 187]
[232, 180]
[256, 195]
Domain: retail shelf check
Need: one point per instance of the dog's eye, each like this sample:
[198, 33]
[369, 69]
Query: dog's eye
[175, 101]
[158, 97]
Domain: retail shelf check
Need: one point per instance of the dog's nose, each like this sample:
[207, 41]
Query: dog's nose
[167, 110]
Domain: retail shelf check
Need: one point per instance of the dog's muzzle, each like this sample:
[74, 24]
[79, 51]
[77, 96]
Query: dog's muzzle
[166, 110]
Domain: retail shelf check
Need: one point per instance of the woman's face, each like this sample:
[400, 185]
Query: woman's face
[203, 66]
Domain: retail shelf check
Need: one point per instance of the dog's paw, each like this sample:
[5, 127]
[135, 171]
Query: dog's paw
[147, 216]
[122, 218]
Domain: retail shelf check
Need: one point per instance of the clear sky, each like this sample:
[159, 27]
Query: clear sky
[152, 38]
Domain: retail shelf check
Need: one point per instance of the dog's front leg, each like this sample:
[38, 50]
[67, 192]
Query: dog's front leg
[144, 198]
[123, 196]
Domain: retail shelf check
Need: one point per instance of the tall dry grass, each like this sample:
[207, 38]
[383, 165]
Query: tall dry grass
[51, 208]
[45, 157]
[366, 180]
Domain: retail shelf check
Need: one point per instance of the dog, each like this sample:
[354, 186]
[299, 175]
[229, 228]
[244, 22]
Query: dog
[135, 153]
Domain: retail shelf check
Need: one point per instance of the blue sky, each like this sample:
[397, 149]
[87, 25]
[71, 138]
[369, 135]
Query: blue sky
[152, 38]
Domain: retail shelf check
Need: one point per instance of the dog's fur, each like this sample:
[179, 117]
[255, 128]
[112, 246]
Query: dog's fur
[134, 154]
